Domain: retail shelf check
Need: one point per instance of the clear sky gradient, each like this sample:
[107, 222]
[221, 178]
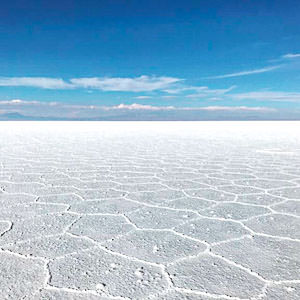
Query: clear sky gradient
[91, 58]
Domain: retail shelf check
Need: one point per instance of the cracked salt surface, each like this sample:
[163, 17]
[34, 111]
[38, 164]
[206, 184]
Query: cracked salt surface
[170, 210]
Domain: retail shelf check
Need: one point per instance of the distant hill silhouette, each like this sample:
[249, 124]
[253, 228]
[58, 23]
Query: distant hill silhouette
[173, 115]
[15, 116]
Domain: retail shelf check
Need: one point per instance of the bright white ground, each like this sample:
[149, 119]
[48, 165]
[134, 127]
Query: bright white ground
[141, 210]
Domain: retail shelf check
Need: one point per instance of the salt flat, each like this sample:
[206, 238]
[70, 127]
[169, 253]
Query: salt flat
[149, 210]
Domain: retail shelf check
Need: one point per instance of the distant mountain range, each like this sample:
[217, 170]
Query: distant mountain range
[155, 116]
[15, 116]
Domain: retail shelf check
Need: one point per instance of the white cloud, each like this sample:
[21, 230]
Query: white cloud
[122, 106]
[169, 97]
[198, 95]
[268, 96]
[136, 106]
[137, 84]
[181, 89]
[291, 55]
[64, 110]
[200, 91]
[19, 102]
[39, 82]
[143, 97]
[220, 91]
[234, 108]
[42, 104]
[133, 106]
[243, 73]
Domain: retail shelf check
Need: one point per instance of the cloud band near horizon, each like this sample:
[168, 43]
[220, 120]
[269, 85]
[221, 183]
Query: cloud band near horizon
[133, 106]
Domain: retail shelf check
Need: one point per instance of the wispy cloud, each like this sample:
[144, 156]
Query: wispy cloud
[20, 102]
[137, 84]
[136, 106]
[170, 85]
[268, 96]
[281, 61]
[211, 93]
[180, 89]
[143, 97]
[169, 97]
[291, 55]
[195, 92]
[38, 82]
[244, 73]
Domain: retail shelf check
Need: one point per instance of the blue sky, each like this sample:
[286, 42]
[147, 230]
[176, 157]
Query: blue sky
[85, 58]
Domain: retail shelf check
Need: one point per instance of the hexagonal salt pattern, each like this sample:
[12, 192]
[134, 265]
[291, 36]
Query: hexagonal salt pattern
[213, 275]
[170, 211]
[235, 211]
[39, 226]
[108, 273]
[159, 218]
[212, 230]
[272, 258]
[51, 247]
[276, 224]
[101, 228]
[156, 246]
[20, 276]
[289, 207]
